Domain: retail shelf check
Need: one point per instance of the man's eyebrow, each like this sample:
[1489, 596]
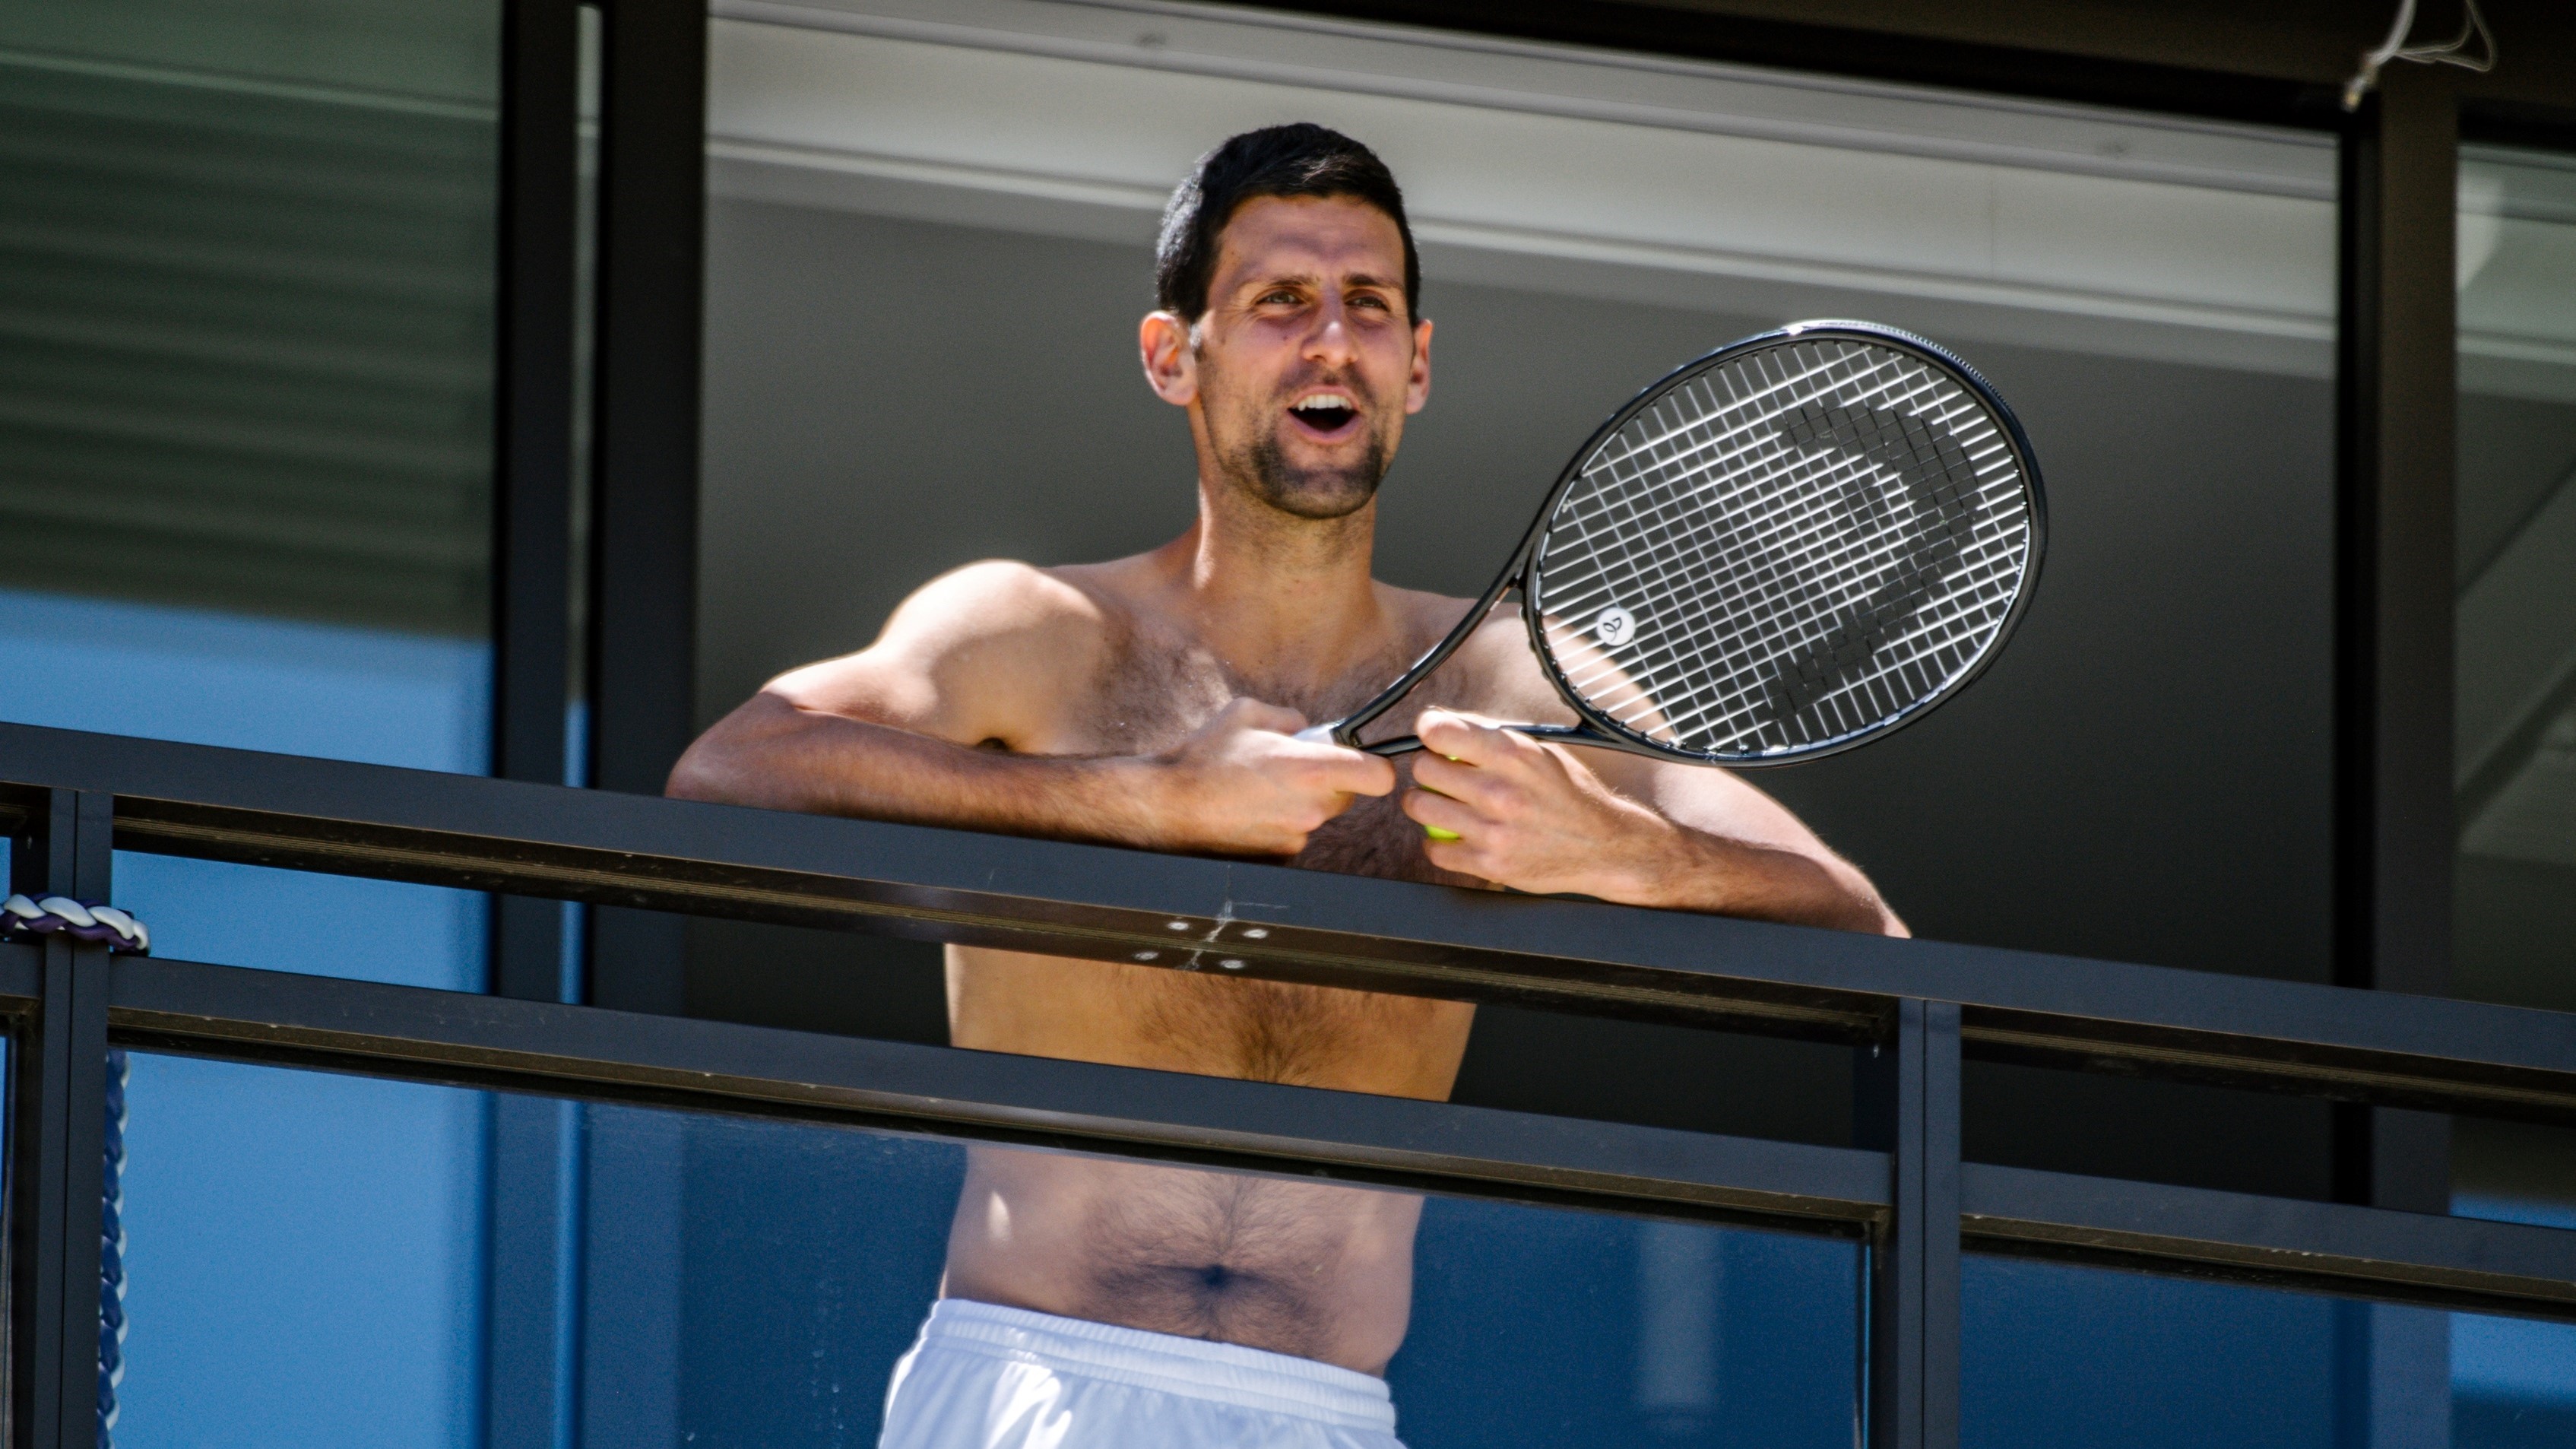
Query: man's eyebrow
[1310, 279]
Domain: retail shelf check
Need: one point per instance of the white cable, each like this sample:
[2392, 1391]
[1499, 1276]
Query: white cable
[2473, 26]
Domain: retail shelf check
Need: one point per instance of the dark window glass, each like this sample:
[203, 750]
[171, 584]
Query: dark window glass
[2515, 914]
[2054, 1355]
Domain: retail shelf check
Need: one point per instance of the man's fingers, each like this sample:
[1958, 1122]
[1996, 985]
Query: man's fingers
[1466, 737]
[1430, 807]
[1353, 772]
[1470, 782]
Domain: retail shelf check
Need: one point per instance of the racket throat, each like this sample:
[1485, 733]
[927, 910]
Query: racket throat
[1563, 734]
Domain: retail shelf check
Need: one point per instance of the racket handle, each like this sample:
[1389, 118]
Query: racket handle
[1322, 734]
[1407, 744]
[1573, 734]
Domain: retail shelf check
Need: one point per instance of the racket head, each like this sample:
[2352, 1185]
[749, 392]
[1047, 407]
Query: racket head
[1786, 548]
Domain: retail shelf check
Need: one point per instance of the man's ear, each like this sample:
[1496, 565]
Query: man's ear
[1171, 363]
[1417, 383]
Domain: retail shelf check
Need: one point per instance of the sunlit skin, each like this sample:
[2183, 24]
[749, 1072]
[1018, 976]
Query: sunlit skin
[1151, 701]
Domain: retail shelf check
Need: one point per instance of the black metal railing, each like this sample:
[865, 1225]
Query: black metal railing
[71, 797]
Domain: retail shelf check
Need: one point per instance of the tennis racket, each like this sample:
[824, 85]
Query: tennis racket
[1794, 545]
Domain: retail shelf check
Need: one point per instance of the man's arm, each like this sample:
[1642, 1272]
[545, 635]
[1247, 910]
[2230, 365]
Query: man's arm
[924, 726]
[1538, 817]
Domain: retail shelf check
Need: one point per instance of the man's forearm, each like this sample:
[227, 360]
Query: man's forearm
[1692, 870]
[784, 758]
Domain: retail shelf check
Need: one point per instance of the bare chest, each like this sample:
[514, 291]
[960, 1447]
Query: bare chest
[1160, 693]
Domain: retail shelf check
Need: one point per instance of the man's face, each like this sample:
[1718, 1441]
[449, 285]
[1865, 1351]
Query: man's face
[1301, 374]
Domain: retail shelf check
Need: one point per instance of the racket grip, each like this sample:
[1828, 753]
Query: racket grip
[1322, 734]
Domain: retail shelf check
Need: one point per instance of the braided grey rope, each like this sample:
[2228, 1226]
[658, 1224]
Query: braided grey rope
[24, 918]
[111, 1252]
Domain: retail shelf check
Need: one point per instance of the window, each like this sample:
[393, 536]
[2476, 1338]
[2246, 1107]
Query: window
[249, 444]
[2517, 549]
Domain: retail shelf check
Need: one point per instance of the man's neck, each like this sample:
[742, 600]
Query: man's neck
[1281, 598]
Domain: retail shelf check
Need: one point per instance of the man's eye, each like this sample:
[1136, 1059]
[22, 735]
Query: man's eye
[1280, 297]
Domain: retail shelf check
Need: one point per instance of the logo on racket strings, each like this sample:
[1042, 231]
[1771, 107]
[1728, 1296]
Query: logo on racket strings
[1881, 457]
[1614, 626]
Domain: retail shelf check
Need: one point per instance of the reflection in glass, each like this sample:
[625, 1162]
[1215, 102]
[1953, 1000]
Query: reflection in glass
[2054, 1355]
[246, 322]
[330, 1271]
[2515, 1172]
[2515, 913]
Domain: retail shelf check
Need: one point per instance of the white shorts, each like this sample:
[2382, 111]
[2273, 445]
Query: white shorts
[987, 1377]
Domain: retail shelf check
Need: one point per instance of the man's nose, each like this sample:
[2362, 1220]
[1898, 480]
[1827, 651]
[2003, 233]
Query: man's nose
[1330, 339]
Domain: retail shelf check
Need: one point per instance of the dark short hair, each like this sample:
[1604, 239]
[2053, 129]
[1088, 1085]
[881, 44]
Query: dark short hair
[1300, 160]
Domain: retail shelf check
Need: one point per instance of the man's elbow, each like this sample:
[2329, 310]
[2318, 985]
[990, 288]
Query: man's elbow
[718, 766]
[700, 774]
[1862, 908]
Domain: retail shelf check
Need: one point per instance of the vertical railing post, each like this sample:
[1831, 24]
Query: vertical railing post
[530, 1255]
[2394, 831]
[2394, 835]
[642, 665]
[60, 1105]
[532, 565]
[644, 515]
[1906, 1104]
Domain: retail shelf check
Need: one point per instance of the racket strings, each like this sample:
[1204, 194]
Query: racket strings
[1625, 513]
[1832, 654]
[1803, 541]
[1747, 580]
[1758, 478]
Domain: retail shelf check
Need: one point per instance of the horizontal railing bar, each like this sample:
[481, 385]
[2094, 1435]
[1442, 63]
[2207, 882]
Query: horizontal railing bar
[1110, 904]
[413, 1032]
[2462, 1263]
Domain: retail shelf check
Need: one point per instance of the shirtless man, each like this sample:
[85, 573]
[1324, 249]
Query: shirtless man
[1151, 702]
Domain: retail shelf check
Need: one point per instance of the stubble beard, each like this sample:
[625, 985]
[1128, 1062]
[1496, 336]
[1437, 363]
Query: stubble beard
[1323, 492]
[1255, 460]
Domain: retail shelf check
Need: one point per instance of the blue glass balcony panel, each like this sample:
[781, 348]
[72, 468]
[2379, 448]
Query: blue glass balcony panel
[319, 1259]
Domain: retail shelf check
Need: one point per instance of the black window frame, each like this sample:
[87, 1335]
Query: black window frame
[2382, 1042]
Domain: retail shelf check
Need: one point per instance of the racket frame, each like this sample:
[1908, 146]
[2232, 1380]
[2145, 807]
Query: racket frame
[1598, 729]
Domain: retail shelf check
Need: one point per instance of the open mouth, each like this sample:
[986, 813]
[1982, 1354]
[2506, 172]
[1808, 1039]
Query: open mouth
[1326, 414]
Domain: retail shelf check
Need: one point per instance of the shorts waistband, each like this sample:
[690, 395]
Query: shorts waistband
[1226, 1373]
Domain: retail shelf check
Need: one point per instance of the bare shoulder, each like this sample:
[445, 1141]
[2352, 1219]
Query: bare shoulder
[980, 652]
[1493, 673]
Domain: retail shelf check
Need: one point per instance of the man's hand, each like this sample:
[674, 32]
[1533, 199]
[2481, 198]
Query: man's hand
[1243, 786]
[1529, 815]
[1534, 817]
